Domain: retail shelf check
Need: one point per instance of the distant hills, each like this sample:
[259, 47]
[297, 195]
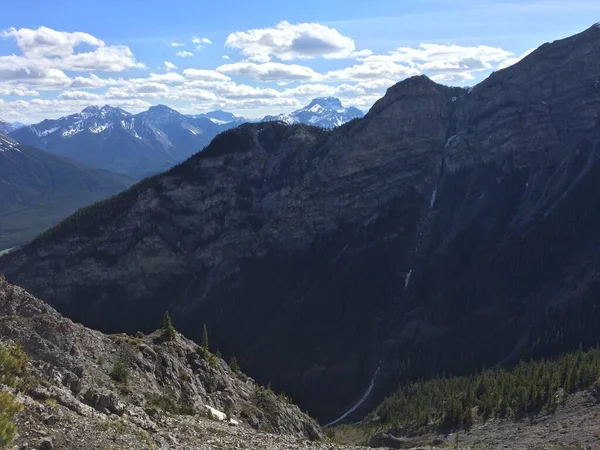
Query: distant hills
[39, 189]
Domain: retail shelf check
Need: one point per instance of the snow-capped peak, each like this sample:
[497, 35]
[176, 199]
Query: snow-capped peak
[325, 112]
[326, 103]
[92, 109]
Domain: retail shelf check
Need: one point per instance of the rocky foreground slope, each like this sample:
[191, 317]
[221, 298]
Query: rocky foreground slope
[447, 230]
[165, 395]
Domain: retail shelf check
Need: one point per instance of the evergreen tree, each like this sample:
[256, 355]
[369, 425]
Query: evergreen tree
[204, 345]
[233, 364]
[168, 330]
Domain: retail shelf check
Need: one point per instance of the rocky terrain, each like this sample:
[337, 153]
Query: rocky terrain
[574, 426]
[446, 230]
[167, 394]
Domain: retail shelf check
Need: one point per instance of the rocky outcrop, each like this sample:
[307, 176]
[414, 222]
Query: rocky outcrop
[159, 382]
[447, 229]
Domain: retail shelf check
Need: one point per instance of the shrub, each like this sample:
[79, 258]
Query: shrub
[14, 373]
[14, 368]
[170, 405]
[119, 372]
[9, 408]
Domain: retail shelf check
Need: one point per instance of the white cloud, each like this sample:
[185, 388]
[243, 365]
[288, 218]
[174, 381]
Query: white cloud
[47, 58]
[203, 74]
[92, 82]
[287, 41]
[452, 64]
[510, 61]
[29, 111]
[169, 77]
[46, 54]
[18, 91]
[80, 95]
[47, 42]
[197, 40]
[272, 104]
[177, 44]
[47, 49]
[270, 71]
[448, 58]
[372, 71]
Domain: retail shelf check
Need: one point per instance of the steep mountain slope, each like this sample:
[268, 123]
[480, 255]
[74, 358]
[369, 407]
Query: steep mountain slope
[447, 229]
[38, 189]
[113, 139]
[117, 391]
[325, 112]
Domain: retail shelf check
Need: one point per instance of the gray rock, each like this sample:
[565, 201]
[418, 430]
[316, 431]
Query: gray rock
[45, 444]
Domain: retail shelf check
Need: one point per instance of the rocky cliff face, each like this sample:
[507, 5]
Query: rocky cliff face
[447, 229]
[168, 390]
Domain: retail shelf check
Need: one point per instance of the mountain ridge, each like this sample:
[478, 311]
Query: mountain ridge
[113, 139]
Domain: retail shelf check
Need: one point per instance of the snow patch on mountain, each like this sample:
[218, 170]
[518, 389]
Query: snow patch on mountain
[7, 144]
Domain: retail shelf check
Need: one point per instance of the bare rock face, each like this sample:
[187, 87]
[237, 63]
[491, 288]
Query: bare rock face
[447, 229]
[163, 381]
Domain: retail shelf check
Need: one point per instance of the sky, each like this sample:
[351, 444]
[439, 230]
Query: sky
[255, 58]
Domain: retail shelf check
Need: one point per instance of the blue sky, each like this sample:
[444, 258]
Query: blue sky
[258, 57]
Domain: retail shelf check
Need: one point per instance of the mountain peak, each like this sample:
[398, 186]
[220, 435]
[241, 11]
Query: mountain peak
[326, 102]
[92, 109]
[162, 109]
[324, 112]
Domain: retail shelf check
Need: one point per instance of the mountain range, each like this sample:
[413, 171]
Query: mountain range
[112, 139]
[138, 145]
[39, 189]
[447, 230]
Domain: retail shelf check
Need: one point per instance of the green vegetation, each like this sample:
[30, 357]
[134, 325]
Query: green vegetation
[233, 364]
[14, 373]
[205, 345]
[119, 372]
[168, 330]
[170, 405]
[526, 388]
